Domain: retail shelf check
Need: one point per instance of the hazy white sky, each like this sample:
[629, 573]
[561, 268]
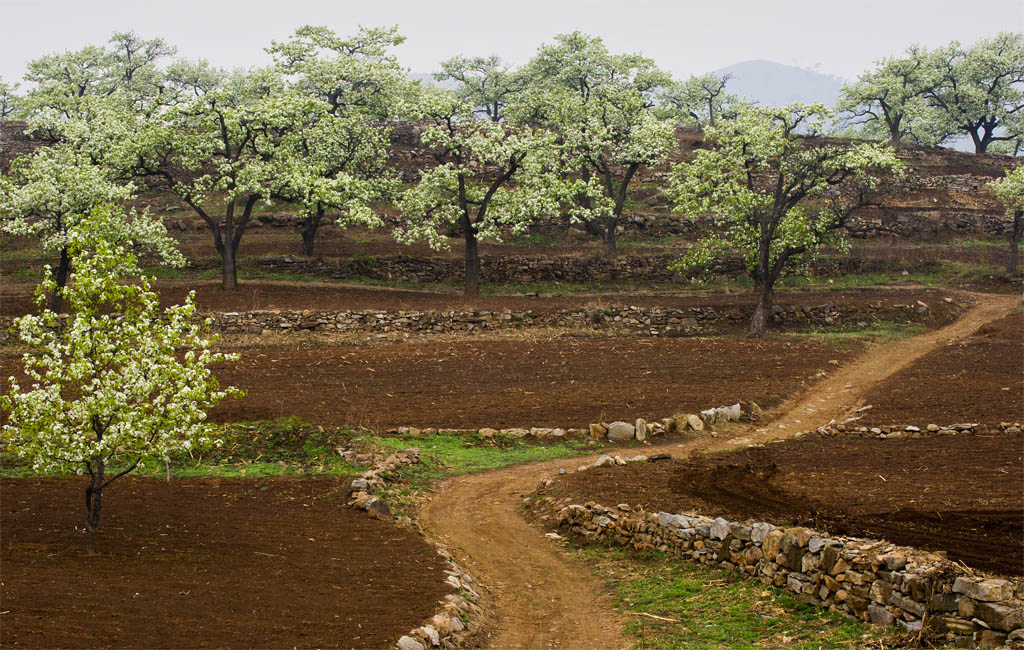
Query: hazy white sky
[683, 36]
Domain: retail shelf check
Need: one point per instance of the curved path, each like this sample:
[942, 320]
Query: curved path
[543, 601]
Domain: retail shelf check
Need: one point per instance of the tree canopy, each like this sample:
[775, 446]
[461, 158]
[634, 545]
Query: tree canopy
[777, 193]
[118, 383]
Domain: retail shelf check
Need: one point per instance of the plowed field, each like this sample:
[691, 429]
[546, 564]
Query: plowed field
[978, 379]
[959, 494]
[209, 563]
[567, 381]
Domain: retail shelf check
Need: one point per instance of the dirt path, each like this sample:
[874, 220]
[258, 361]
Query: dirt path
[541, 600]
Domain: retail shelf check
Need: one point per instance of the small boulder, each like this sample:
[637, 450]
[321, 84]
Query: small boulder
[641, 429]
[621, 431]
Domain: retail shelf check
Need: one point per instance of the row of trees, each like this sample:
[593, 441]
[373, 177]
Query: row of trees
[566, 134]
[929, 96]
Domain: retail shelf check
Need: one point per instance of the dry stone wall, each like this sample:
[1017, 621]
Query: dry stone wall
[646, 320]
[870, 580]
[13, 142]
[459, 618]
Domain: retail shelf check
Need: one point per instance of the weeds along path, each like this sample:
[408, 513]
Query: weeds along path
[543, 601]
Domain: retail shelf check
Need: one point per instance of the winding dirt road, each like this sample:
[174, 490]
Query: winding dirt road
[539, 598]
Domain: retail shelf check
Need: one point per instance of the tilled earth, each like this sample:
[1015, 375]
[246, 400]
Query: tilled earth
[209, 563]
[566, 381]
[959, 494]
[978, 379]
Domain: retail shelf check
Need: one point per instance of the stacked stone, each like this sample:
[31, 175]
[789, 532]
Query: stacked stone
[646, 320]
[376, 478]
[909, 430]
[459, 617]
[869, 580]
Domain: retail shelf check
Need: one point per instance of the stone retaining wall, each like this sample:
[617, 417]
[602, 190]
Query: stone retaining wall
[647, 320]
[870, 580]
[459, 618]
[540, 270]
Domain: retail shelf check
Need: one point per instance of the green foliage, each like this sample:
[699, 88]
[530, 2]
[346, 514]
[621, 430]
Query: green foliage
[776, 195]
[1010, 190]
[891, 101]
[486, 83]
[711, 609]
[699, 101]
[473, 186]
[980, 90]
[601, 106]
[108, 385]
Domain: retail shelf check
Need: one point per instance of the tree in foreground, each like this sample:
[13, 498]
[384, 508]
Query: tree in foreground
[1010, 191]
[489, 177]
[116, 384]
[776, 195]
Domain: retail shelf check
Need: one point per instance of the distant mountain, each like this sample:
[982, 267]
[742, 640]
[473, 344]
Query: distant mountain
[774, 84]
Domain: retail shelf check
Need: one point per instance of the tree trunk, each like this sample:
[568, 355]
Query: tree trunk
[310, 226]
[308, 236]
[608, 235]
[229, 274]
[766, 291]
[61, 278]
[472, 258]
[1016, 232]
[764, 281]
[93, 505]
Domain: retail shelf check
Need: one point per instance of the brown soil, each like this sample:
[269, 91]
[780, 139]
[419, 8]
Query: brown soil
[960, 494]
[209, 563]
[977, 379]
[567, 381]
[545, 602]
[16, 299]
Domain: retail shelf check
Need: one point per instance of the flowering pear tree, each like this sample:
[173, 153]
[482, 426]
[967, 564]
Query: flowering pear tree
[601, 107]
[891, 100]
[700, 101]
[487, 83]
[117, 384]
[1010, 191]
[332, 150]
[50, 192]
[66, 84]
[980, 91]
[775, 195]
[204, 149]
[489, 177]
[10, 101]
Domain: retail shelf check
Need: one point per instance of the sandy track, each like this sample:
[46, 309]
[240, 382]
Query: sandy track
[540, 600]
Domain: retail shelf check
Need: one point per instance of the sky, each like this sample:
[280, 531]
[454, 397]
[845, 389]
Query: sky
[684, 37]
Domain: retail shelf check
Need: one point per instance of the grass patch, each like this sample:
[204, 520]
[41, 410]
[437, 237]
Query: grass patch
[882, 331]
[712, 609]
[289, 446]
[445, 455]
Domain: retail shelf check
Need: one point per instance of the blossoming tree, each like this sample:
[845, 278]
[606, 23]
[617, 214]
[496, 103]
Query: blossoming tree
[601, 105]
[776, 195]
[118, 383]
[489, 177]
[1010, 191]
[51, 192]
